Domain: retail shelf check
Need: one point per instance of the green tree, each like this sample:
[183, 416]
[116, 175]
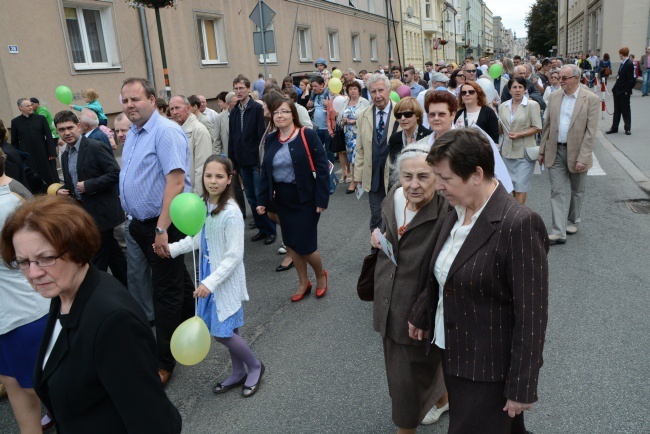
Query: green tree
[541, 23]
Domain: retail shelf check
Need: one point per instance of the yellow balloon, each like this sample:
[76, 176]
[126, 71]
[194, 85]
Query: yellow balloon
[335, 85]
[53, 188]
[190, 342]
[337, 74]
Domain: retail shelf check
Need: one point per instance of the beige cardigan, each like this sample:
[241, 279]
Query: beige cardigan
[527, 115]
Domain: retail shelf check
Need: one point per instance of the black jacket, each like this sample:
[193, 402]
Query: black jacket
[99, 135]
[14, 165]
[396, 145]
[243, 145]
[309, 188]
[487, 121]
[100, 173]
[102, 374]
[626, 80]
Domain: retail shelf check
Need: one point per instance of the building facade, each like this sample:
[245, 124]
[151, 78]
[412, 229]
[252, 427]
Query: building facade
[488, 32]
[99, 43]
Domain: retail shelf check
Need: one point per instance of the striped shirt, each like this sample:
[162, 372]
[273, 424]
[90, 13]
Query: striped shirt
[150, 154]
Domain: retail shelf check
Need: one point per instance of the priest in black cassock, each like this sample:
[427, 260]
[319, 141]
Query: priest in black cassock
[30, 133]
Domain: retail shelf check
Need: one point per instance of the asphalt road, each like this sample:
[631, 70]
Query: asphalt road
[324, 362]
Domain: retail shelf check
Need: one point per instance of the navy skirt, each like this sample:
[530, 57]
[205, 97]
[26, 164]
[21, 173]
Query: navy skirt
[298, 221]
[18, 352]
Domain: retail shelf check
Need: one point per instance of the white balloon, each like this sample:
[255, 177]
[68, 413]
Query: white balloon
[339, 103]
[488, 87]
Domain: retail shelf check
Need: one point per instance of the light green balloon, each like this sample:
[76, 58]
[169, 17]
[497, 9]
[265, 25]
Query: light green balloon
[394, 96]
[188, 213]
[495, 71]
[190, 342]
[63, 94]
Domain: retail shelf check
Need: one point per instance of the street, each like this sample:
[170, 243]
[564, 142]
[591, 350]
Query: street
[324, 362]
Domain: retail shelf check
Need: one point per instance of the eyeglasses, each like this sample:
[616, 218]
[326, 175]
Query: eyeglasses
[467, 92]
[565, 77]
[460, 75]
[440, 115]
[45, 261]
[471, 71]
[407, 115]
[282, 112]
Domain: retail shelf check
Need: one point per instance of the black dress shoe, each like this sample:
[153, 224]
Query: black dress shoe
[610, 131]
[252, 225]
[247, 392]
[628, 132]
[258, 236]
[270, 239]
[348, 191]
[284, 267]
[220, 388]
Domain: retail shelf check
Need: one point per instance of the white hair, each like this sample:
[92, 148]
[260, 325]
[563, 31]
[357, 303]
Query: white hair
[376, 78]
[575, 69]
[414, 150]
[89, 117]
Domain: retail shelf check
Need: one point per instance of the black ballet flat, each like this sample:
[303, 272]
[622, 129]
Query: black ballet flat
[284, 267]
[220, 388]
[247, 392]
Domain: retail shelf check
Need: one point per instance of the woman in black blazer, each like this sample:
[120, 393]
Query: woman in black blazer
[473, 109]
[295, 173]
[96, 369]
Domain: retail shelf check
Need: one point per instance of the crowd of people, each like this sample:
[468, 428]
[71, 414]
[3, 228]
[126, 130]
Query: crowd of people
[446, 167]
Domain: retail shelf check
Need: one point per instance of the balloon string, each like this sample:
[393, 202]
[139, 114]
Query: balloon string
[196, 299]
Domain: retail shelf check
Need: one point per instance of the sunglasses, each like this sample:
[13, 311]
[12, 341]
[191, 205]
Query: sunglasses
[407, 115]
[467, 92]
[460, 75]
[471, 71]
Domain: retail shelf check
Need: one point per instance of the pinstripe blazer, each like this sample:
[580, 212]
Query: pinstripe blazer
[495, 298]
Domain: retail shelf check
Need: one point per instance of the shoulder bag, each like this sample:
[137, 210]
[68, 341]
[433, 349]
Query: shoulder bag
[333, 180]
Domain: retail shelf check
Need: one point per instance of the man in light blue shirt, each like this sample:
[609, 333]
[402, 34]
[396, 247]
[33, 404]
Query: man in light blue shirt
[409, 78]
[155, 168]
[259, 85]
[318, 101]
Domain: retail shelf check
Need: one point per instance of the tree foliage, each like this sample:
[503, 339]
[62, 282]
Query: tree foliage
[541, 23]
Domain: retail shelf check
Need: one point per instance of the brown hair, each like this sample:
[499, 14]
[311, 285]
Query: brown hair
[465, 149]
[440, 96]
[3, 158]
[481, 99]
[228, 192]
[625, 51]
[292, 106]
[70, 230]
[3, 131]
[353, 84]
[91, 94]
[409, 104]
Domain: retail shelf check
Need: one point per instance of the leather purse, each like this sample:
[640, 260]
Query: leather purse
[531, 153]
[366, 282]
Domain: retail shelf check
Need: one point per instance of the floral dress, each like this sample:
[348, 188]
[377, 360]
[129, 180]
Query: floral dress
[351, 132]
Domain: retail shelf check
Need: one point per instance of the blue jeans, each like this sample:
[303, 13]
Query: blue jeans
[326, 139]
[646, 82]
[251, 177]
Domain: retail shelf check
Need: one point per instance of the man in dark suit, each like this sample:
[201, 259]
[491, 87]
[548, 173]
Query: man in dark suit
[622, 91]
[90, 175]
[90, 128]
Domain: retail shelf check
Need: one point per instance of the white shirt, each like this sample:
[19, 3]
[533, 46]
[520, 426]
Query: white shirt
[386, 115]
[450, 249]
[524, 102]
[566, 111]
[399, 201]
[55, 336]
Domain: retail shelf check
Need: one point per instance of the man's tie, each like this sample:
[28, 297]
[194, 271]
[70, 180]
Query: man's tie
[380, 126]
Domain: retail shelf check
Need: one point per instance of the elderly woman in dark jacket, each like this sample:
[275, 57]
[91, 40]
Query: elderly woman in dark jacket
[412, 213]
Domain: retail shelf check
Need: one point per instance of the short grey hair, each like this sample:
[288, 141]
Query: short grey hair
[351, 71]
[414, 150]
[183, 97]
[575, 69]
[230, 96]
[376, 78]
[21, 100]
[89, 117]
[120, 117]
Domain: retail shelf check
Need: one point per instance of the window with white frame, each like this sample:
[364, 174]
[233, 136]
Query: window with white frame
[374, 54]
[91, 36]
[333, 45]
[212, 40]
[270, 57]
[304, 44]
[356, 47]
[427, 8]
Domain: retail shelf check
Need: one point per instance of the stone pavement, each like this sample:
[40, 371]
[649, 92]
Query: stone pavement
[632, 152]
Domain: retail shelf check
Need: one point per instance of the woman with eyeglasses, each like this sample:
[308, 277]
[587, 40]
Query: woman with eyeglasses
[520, 121]
[555, 85]
[295, 175]
[353, 106]
[474, 110]
[409, 115]
[456, 80]
[96, 370]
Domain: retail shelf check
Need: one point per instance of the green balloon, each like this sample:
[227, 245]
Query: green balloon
[63, 94]
[188, 213]
[495, 71]
[394, 96]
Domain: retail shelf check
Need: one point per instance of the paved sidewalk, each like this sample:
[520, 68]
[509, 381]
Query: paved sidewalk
[635, 147]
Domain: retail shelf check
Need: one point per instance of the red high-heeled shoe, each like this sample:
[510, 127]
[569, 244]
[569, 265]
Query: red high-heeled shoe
[320, 292]
[298, 297]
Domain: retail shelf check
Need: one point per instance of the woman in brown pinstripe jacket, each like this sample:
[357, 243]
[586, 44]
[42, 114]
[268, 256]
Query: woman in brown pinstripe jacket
[486, 303]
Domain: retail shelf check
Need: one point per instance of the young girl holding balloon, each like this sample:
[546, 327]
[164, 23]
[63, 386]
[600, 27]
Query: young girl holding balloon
[222, 276]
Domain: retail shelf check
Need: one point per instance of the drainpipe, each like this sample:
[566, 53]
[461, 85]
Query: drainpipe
[147, 47]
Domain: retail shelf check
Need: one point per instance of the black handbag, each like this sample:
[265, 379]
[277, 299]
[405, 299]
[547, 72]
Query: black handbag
[366, 282]
[338, 140]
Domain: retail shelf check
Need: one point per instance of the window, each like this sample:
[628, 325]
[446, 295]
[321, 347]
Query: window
[304, 44]
[371, 6]
[270, 57]
[427, 8]
[212, 47]
[356, 47]
[374, 56]
[91, 37]
[333, 45]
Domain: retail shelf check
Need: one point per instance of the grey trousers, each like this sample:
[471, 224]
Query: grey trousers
[138, 274]
[375, 199]
[558, 174]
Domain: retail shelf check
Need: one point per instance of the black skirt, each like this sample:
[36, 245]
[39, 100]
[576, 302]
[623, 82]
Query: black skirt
[298, 221]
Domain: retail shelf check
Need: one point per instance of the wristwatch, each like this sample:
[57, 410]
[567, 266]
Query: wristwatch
[160, 231]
